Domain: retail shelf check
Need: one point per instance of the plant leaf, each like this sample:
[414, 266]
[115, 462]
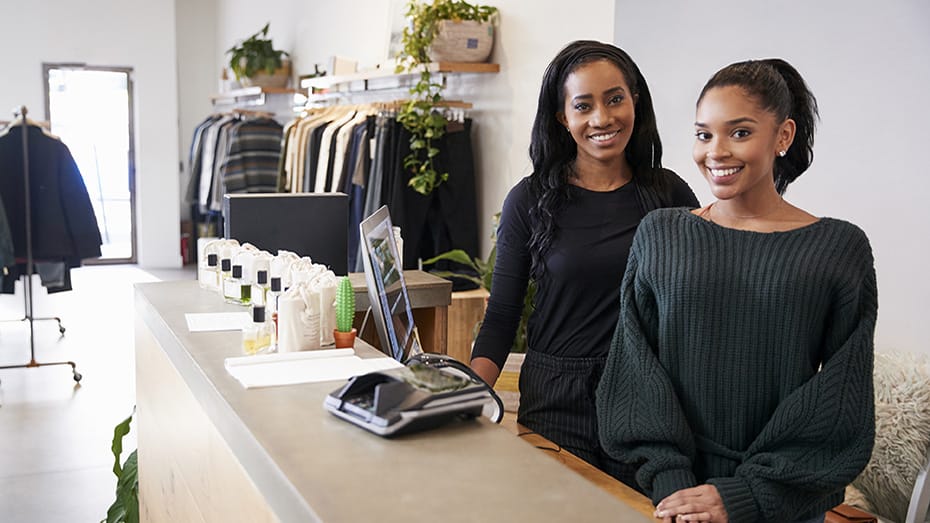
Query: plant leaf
[117, 447]
[126, 507]
[455, 255]
[449, 275]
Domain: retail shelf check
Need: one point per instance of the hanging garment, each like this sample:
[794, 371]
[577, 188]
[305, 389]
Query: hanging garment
[356, 179]
[208, 156]
[218, 188]
[63, 221]
[195, 158]
[7, 257]
[253, 155]
[447, 218]
[349, 149]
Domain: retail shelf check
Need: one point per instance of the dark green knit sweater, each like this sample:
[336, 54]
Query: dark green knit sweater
[744, 360]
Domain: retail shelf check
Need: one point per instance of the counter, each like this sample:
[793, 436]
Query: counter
[210, 450]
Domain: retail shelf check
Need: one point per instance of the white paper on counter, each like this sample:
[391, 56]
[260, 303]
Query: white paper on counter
[217, 321]
[290, 368]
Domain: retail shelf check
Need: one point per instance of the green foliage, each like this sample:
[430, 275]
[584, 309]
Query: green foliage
[485, 270]
[255, 54]
[345, 305]
[126, 507]
[419, 115]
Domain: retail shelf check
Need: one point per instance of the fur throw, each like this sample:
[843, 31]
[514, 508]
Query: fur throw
[902, 432]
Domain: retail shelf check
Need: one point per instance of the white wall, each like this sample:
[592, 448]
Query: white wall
[134, 33]
[868, 63]
[198, 76]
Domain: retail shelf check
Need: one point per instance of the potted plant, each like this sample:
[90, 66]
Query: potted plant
[255, 61]
[344, 333]
[427, 22]
[125, 509]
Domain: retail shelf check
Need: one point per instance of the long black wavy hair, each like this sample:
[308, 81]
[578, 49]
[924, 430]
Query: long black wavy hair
[553, 150]
[778, 88]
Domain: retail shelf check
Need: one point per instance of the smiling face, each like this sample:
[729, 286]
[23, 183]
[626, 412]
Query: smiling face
[736, 143]
[599, 112]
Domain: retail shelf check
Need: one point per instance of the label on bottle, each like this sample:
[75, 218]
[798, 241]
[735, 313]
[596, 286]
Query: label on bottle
[231, 289]
[208, 277]
[258, 295]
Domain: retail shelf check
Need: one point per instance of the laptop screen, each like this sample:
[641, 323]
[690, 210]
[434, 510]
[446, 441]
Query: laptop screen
[384, 276]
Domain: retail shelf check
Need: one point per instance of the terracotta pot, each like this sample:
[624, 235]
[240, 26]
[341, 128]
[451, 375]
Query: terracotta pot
[344, 340]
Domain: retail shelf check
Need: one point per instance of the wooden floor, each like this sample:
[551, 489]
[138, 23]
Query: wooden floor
[55, 435]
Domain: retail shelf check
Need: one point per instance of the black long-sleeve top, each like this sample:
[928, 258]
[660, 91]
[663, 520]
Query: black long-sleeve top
[578, 298]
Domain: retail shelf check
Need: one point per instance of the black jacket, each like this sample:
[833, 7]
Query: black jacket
[63, 222]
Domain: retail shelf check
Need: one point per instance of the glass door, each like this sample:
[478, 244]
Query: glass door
[90, 109]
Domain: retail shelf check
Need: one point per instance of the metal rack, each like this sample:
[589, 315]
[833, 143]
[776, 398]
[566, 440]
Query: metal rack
[27, 286]
[379, 84]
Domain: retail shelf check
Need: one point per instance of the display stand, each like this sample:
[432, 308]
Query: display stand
[27, 286]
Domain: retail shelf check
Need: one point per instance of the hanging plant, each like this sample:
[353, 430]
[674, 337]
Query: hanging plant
[419, 114]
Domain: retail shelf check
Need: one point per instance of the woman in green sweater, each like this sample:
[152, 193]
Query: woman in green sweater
[740, 372]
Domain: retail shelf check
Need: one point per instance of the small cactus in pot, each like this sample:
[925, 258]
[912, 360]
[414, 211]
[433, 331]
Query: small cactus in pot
[344, 333]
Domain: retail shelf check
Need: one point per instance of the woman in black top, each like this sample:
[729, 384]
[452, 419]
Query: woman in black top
[597, 171]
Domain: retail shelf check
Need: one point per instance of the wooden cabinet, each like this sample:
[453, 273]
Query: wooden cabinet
[429, 299]
[465, 315]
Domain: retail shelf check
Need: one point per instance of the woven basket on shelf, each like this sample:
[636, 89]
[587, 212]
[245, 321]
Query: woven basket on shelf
[462, 41]
[279, 79]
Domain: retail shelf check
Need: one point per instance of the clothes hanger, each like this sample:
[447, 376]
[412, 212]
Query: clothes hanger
[19, 120]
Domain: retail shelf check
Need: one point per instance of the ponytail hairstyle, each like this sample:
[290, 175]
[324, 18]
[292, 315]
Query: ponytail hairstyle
[553, 150]
[779, 89]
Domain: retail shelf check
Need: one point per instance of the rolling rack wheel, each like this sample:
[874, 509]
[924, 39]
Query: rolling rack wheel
[77, 377]
[61, 328]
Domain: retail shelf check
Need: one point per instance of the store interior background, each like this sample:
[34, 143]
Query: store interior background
[867, 62]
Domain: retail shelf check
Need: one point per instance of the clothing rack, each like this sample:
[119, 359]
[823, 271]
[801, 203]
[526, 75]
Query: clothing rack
[27, 286]
[252, 113]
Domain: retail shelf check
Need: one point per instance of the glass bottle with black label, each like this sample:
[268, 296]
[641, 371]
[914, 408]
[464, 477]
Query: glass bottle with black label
[257, 336]
[209, 274]
[260, 289]
[225, 274]
[236, 289]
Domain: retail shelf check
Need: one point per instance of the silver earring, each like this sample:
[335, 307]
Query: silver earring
[782, 153]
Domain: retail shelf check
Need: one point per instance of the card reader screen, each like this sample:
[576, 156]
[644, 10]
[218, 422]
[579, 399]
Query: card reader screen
[433, 380]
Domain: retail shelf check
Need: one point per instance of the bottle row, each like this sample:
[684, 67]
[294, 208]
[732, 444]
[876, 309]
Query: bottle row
[291, 298]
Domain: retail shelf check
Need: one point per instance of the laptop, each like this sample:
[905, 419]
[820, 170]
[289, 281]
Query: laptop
[431, 389]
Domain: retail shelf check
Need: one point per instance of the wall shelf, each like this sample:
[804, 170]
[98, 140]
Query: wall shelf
[386, 78]
[254, 95]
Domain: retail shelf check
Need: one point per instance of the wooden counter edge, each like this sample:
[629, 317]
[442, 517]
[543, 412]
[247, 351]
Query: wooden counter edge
[615, 488]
